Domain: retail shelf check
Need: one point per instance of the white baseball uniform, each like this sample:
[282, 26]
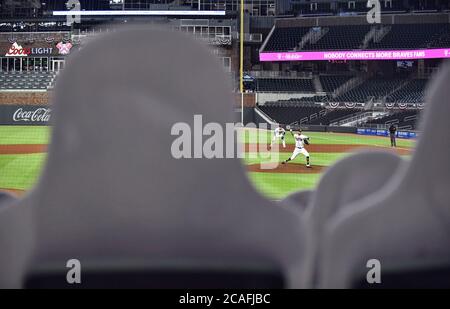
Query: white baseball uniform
[299, 146]
[279, 133]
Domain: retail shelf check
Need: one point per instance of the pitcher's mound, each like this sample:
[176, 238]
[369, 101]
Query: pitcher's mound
[297, 168]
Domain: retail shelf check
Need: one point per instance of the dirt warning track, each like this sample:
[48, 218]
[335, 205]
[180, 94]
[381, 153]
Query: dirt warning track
[15, 192]
[23, 148]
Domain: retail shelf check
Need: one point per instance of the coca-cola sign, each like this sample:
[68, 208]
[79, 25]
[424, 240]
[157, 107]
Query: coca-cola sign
[40, 115]
[24, 115]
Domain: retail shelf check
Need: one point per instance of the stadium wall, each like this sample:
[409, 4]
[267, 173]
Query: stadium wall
[24, 98]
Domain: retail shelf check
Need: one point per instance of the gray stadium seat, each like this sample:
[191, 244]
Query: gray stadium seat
[298, 200]
[352, 179]
[5, 198]
[405, 225]
[112, 196]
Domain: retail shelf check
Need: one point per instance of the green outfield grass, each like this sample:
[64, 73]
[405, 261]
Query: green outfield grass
[11, 135]
[279, 185]
[20, 171]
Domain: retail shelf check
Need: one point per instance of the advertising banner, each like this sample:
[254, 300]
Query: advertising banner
[25, 115]
[357, 55]
[382, 132]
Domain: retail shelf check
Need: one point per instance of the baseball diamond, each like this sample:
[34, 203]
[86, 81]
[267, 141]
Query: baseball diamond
[23, 151]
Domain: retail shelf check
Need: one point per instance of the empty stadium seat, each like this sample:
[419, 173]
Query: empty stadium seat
[412, 92]
[373, 88]
[414, 36]
[288, 114]
[5, 198]
[403, 119]
[113, 197]
[399, 36]
[26, 80]
[285, 39]
[351, 179]
[284, 85]
[298, 200]
[337, 38]
[332, 82]
[405, 224]
[333, 114]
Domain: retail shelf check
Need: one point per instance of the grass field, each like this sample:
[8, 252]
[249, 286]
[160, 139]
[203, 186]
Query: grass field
[19, 171]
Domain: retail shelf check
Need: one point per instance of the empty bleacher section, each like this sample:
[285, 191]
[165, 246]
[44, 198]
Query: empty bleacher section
[332, 82]
[335, 38]
[412, 36]
[338, 38]
[360, 6]
[334, 114]
[285, 39]
[300, 102]
[285, 114]
[404, 119]
[430, 33]
[375, 88]
[30, 80]
[412, 92]
[284, 85]
[313, 99]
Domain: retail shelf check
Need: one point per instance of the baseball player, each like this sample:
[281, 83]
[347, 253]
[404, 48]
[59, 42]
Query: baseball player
[392, 135]
[278, 133]
[300, 142]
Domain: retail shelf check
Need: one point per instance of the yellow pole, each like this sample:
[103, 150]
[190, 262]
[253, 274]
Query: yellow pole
[241, 60]
[241, 49]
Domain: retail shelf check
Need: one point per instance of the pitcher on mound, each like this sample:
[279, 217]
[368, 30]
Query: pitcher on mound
[300, 142]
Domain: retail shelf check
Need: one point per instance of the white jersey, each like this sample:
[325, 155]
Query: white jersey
[299, 140]
[279, 132]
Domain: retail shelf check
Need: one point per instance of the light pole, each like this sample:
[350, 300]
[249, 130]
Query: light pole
[241, 59]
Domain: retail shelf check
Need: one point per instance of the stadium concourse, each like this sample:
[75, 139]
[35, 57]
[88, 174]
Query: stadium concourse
[89, 111]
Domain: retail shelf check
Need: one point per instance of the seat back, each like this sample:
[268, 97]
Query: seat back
[354, 178]
[408, 220]
[163, 274]
[298, 200]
